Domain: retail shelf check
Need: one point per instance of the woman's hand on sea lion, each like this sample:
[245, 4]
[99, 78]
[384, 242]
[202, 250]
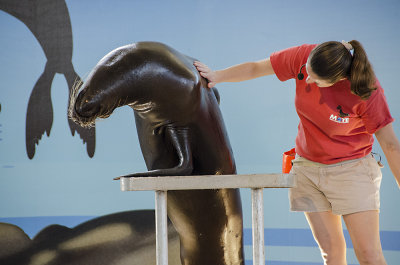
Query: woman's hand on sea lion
[235, 73]
[207, 73]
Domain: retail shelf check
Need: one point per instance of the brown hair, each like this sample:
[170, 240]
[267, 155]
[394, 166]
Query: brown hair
[332, 61]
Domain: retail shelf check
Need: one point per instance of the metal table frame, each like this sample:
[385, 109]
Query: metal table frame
[161, 185]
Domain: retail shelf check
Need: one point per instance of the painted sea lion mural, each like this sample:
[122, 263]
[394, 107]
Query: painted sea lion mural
[125, 238]
[50, 23]
[181, 132]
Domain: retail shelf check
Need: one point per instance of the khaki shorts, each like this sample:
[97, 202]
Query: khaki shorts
[343, 188]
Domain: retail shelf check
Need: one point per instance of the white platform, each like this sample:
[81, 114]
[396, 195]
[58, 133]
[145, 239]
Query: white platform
[208, 182]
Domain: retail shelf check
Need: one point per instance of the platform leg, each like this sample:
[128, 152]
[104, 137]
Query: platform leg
[161, 228]
[258, 226]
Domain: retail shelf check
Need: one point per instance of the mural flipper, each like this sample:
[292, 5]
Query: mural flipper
[39, 116]
[88, 135]
[49, 21]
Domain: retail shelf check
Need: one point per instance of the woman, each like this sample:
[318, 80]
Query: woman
[341, 105]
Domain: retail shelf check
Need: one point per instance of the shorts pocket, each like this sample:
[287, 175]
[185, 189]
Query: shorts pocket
[372, 168]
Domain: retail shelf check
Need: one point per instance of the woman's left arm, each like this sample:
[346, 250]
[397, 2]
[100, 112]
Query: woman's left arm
[391, 147]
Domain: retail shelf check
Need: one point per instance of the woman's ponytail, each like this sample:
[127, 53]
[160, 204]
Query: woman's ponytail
[334, 61]
[361, 76]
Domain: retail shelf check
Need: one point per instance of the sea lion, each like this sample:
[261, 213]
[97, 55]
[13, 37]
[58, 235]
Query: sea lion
[181, 132]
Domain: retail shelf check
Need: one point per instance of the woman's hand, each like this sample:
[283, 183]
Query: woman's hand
[207, 73]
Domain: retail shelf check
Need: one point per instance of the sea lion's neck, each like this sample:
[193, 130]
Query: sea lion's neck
[142, 107]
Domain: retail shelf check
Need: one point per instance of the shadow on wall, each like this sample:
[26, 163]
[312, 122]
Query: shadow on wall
[50, 23]
[125, 238]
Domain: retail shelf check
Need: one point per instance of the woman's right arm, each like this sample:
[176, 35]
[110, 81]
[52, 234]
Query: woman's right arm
[236, 73]
[391, 148]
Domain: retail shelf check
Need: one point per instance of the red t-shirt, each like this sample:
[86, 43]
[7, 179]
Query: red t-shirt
[323, 135]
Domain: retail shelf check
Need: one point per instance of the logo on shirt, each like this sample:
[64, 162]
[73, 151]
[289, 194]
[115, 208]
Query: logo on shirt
[337, 119]
[342, 116]
[341, 113]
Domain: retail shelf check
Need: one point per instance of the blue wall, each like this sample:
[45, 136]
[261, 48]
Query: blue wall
[61, 182]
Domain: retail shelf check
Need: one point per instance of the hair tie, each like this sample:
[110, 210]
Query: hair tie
[348, 46]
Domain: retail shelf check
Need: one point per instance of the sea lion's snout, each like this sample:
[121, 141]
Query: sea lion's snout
[82, 109]
[86, 107]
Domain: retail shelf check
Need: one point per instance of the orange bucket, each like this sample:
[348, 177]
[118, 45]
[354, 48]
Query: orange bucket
[288, 156]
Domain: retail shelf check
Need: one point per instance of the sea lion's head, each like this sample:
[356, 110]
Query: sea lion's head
[104, 90]
[149, 77]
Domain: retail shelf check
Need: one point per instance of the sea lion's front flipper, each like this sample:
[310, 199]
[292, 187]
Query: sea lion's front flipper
[180, 140]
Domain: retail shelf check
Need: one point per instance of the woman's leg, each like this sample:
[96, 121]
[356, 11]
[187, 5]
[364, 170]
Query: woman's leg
[363, 228]
[328, 233]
